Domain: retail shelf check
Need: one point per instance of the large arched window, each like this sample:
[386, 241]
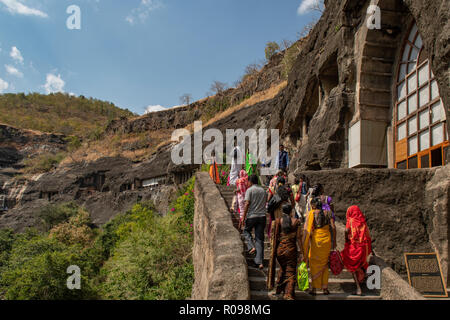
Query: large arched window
[419, 116]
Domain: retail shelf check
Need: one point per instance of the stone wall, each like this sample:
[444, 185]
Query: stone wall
[219, 263]
[407, 210]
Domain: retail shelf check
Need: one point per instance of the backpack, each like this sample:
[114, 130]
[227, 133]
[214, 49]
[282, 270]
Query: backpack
[283, 193]
[273, 204]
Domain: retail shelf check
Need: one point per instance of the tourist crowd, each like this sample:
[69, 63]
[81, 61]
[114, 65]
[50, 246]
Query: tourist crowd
[300, 223]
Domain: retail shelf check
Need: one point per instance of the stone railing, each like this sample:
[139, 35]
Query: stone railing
[219, 263]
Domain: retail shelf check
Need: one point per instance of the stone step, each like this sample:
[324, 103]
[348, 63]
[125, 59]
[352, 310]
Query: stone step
[228, 194]
[266, 253]
[334, 285]
[299, 295]
[250, 260]
[255, 272]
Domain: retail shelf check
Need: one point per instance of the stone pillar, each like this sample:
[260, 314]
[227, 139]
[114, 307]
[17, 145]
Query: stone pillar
[367, 144]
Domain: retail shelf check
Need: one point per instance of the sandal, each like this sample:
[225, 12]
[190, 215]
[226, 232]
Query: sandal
[312, 292]
[326, 292]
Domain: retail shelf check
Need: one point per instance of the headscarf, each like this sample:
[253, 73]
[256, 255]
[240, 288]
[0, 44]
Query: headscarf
[242, 183]
[356, 251]
[356, 223]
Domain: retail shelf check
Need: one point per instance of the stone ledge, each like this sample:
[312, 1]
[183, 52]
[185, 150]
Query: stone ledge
[393, 287]
[219, 263]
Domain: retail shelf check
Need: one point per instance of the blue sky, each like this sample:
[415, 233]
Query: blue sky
[139, 53]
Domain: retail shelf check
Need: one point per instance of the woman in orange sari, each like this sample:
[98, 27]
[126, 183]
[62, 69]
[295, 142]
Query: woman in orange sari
[317, 243]
[358, 246]
[214, 169]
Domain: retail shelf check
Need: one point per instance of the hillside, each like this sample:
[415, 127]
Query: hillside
[139, 138]
[58, 113]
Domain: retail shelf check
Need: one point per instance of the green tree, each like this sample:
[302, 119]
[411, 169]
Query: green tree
[271, 49]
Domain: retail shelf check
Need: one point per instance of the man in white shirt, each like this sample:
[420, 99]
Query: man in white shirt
[236, 163]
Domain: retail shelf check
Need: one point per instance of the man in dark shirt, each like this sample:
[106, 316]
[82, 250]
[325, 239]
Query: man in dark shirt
[283, 159]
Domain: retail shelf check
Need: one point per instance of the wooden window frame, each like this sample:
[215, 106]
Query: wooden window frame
[419, 109]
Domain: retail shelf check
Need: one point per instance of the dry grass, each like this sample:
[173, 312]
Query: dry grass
[254, 99]
[134, 146]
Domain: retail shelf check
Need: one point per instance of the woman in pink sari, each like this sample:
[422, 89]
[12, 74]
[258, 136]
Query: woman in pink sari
[242, 185]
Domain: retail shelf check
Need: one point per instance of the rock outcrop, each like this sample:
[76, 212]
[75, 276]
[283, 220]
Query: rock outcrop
[19, 144]
[105, 188]
[406, 210]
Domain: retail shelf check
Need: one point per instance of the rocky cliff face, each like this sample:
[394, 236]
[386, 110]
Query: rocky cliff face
[318, 105]
[105, 188]
[313, 114]
[18, 144]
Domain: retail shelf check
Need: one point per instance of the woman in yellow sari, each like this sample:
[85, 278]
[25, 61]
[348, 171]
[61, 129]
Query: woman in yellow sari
[317, 243]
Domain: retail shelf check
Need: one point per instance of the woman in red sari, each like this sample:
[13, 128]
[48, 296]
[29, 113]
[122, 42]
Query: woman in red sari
[358, 246]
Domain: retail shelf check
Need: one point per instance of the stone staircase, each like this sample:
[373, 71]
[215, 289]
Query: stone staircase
[340, 287]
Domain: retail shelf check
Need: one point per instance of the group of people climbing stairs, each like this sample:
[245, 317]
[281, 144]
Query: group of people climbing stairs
[341, 286]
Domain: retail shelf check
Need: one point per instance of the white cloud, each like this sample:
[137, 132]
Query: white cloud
[16, 55]
[307, 5]
[3, 85]
[54, 84]
[13, 71]
[14, 6]
[143, 11]
[156, 108]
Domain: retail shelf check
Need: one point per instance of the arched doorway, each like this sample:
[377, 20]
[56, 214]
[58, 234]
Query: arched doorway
[419, 119]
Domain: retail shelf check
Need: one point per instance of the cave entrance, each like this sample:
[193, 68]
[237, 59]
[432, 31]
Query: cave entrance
[328, 77]
[312, 105]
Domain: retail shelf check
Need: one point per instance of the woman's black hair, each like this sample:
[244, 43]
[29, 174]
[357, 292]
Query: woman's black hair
[296, 181]
[281, 180]
[321, 219]
[282, 190]
[286, 223]
[317, 203]
[254, 179]
[318, 189]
